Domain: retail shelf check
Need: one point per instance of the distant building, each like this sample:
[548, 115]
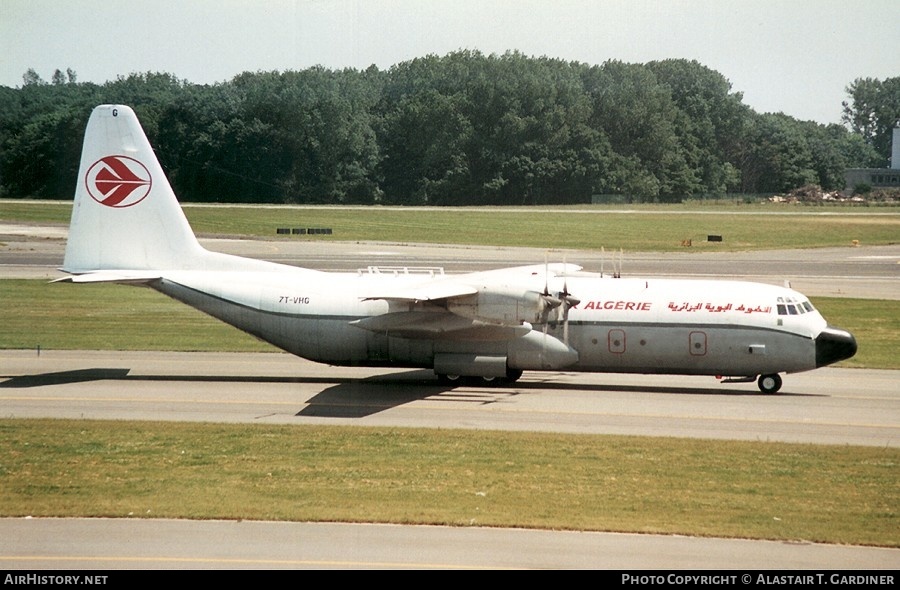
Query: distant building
[874, 177]
[895, 149]
[878, 177]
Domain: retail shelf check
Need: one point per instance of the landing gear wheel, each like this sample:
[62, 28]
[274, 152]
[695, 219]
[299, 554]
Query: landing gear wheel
[512, 375]
[453, 380]
[769, 383]
[471, 381]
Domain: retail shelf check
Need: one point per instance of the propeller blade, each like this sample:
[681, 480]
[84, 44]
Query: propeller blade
[548, 304]
[546, 274]
[568, 303]
[563, 299]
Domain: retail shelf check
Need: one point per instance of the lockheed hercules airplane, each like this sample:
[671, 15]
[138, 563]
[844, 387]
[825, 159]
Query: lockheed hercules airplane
[127, 227]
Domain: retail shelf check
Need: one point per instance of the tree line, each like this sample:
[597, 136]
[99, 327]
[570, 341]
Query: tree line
[460, 129]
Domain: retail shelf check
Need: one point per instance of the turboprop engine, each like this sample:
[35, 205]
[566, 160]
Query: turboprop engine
[505, 307]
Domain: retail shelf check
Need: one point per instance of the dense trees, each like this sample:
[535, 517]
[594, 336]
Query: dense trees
[873, 113]
[464, 128]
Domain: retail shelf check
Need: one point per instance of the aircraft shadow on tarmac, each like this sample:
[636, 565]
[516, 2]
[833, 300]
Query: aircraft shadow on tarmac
[362, 397]
[64, 378]
[357, 398]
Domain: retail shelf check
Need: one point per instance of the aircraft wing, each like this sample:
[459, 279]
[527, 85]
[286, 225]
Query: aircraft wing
[471, 283]
[522, 273]
[486, 305]
[432, 291]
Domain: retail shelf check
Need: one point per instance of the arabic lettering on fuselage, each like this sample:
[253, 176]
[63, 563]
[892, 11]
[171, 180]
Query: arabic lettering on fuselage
[718, 308]
[687, 306]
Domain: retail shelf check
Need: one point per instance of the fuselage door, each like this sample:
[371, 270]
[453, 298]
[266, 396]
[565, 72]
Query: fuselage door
[698, 343]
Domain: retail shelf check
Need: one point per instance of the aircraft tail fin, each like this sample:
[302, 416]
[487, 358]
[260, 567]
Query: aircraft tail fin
[125, 214]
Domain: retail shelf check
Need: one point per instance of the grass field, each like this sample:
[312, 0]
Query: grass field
[762, 490]
[644, 228]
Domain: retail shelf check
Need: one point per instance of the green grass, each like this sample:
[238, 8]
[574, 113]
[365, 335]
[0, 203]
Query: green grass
[450, 477]
[874, 323]
[641, 228]
[657, 232]
[35, 211]
[67, 316]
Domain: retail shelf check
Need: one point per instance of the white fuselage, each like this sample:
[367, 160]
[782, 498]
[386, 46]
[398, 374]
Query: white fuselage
[619, 325]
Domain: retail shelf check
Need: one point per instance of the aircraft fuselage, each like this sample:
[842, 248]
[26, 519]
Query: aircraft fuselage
[620, 325]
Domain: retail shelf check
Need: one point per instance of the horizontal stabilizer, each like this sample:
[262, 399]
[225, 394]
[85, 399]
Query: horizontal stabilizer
[133, 277]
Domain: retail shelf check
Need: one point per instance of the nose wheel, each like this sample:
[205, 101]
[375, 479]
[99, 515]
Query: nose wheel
[769, 383]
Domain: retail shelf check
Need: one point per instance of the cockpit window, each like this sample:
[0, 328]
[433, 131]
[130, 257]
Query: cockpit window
[793, 306]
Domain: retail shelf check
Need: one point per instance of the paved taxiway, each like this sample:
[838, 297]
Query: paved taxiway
[830, 406]
[826, 406]
[28, 251]
[110, 544]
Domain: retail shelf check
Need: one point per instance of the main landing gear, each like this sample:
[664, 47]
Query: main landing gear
[512, 375]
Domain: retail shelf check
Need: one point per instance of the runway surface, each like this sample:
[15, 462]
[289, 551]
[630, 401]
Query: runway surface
[827, 406]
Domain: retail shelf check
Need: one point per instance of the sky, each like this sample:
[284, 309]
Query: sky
[790, 56]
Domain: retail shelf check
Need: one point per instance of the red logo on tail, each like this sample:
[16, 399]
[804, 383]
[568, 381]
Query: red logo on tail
[118, 181]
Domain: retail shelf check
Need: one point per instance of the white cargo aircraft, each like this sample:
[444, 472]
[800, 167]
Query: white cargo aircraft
[127, 227]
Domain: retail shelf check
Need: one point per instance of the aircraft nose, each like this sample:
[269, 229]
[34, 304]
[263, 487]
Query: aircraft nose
[833, 345]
